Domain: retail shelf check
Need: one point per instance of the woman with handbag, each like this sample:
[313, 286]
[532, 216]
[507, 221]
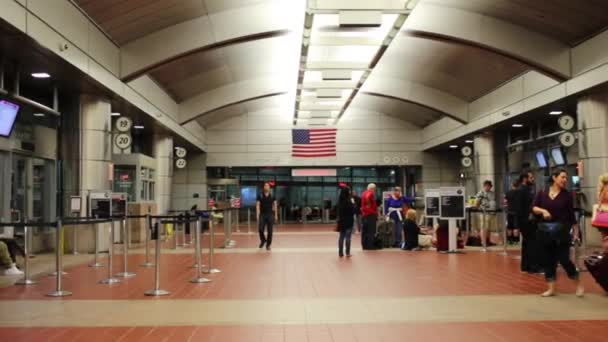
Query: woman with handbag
[600, 210]
[346, 220]
[557, 210]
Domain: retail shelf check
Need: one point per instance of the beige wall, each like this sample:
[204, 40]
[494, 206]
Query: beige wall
[264, 138]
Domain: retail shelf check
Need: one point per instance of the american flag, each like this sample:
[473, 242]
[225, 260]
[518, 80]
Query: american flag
[312, 143]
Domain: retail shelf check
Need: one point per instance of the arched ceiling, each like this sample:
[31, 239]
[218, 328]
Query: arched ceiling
[216, 58]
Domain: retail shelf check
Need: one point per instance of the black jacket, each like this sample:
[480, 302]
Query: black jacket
[346, 214]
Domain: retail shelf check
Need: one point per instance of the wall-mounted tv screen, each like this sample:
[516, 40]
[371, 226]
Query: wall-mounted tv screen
[8, 114]
[541, 160]
[558, 156]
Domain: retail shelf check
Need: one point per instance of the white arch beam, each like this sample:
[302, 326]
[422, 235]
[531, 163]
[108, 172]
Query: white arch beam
[240, 92]
[533, 48]
[235, 93]
[216, 29]
[438, 100]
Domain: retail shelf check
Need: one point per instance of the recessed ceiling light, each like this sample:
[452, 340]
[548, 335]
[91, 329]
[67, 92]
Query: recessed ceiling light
[38, 114]
[555, 112]
[516, 125]
[115, 114]
[40, 75]
[468, 141]
[138, 127]
[453, 146]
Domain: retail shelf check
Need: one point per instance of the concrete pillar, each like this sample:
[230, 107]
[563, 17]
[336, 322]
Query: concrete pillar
[96, 153]
[190, 183]
[163, 152]
[484, 162]
[593, 149]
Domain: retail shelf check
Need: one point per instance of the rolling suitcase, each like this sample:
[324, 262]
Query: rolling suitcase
[597, 265]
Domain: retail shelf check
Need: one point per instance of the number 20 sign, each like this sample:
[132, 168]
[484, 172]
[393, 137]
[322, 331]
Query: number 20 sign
[122, 141]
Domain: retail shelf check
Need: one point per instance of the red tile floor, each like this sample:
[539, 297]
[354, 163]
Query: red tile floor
[314, 274]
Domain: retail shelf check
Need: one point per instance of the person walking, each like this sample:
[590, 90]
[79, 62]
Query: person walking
[556, 208]
[486, 201]
[522, 208]
[346, 220]
[357, 201]
[511, 201]
[394, 209]
[266, 214]
[369, 216]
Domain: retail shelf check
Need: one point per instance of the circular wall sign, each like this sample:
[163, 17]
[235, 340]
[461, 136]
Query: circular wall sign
[122, 141]
[466, 151]
[180, 163]
[466, 162]
[123, 124]
[180, 152]
[566, 122]
[567, 139]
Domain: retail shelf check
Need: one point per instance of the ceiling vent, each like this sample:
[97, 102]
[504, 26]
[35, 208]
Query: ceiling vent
[360, 18]
[337, 75]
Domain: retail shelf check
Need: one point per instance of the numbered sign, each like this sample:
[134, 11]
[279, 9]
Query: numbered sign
[567, 139]
[180, 163]
[466, 162]
[123, 124]
[466, 151]
[566, 122]
[180, 152]
[122, 141]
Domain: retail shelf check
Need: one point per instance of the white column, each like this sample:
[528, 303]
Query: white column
[96, 153]
[593, 150]
[484, 160]
[163, 152]
[190, 183]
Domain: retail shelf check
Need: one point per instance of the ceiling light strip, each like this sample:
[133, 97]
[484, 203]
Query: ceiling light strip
[308, 21]
[381, 51]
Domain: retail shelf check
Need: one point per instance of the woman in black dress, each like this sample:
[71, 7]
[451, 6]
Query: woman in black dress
[556, 208]
[346, 220]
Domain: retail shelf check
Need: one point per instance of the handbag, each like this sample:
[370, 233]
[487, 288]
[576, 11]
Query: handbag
[600, 220]
[554, 231]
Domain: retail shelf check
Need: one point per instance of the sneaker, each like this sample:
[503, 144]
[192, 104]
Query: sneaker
[13, 270]
[484, 249]
[267, 248]
[262, 244]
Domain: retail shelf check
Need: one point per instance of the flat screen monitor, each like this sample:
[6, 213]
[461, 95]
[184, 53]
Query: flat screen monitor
[558, 156]
[8, 114]
[541, 160]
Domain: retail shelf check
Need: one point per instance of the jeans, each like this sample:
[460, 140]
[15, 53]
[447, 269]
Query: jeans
[369, 232]
[398, 232]
[556, 251]
[345, 235]
[266, 221]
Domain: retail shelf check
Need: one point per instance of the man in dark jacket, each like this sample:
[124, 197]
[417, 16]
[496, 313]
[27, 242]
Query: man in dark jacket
[523, 207]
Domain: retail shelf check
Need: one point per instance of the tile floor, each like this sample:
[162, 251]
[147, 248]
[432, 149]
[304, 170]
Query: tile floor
[306, 293]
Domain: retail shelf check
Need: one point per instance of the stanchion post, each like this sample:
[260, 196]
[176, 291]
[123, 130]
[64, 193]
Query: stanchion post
[156, 291]
[147, 263]
[75, 241]
[248, 220]
[110, 279]
[210, 269]
[199, 279]
[125, 251]
[96, 262]
[59, 291]
[26, 262]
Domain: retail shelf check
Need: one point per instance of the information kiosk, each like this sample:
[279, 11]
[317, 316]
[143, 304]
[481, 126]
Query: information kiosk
[452, 208]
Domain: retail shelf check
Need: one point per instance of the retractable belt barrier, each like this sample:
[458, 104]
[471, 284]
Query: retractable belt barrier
[27, 234]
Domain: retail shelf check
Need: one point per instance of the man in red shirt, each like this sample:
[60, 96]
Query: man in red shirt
[369, 215]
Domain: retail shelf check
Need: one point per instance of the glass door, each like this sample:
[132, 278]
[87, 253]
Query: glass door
[19, 205]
